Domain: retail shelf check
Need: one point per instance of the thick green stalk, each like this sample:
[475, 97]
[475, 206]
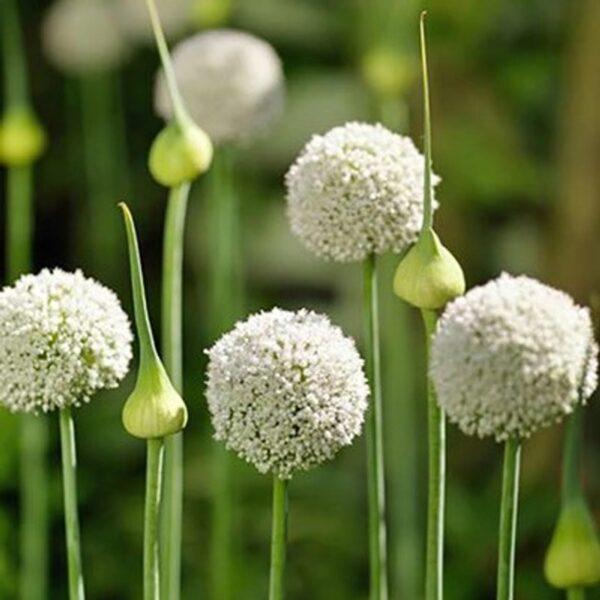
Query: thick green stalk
[154, 466]
[576, 594]
[16, 87]
[226, 292]
[172, 352]
[19, 221]
[69, 468]
[375, 450]
[508, 520]
[434, 563]
[278, 539]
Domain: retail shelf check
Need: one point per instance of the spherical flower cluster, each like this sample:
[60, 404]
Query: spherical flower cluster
[82, 36]
[356, 191]
[231, 83]
[512, 356]
[62, 338]
[175, 18]
[286, 390]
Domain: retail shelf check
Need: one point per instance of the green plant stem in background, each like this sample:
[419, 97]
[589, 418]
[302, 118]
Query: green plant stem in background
[172, 352]
[226, 300]
[69, 468]
[33, 572]
[374, 429]
[434, 562]
[508, 520]
[571, 480]
[576, 594]
[154, 467]
[278, 539]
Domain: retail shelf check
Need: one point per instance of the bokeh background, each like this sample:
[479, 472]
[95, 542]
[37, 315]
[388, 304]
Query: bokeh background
[516, 126]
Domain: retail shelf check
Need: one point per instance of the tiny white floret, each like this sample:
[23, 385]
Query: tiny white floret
[356, 191]
[286, 390]
[231, 83]
[63, 337]
[512, 356]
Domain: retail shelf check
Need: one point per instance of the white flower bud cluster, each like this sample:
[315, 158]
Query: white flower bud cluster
[512, 356]
[62, 338]
[231, 83]
[356, 191]
[83, 36]
[286, 390]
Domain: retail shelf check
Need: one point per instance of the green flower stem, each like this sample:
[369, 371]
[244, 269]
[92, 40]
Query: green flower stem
[163, 50]
[375, 450]
[508, 520]
[19, 221]
[103, 167]
[16, 88]
[278, 539]
[154, 467]
[576, 594]
[571, 483]
[172, 327]
[69, 468]
[226, 292]
[434, 569]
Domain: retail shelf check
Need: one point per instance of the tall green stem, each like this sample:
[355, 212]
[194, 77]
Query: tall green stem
[225, 307]
[434, 570]
[278, 539]
[508, 520]
[154, 466]
[576, 594]
[69, 468]
[571, 483]
[172, 352]
[375, 451]
[16, 88]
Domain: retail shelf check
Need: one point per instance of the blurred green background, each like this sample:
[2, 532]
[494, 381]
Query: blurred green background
[516, 138]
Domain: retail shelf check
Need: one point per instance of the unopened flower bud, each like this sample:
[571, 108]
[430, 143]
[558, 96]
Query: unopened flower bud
[154, 409]
[429, 276]
[22, 138]
[573, 558]
[179, 154]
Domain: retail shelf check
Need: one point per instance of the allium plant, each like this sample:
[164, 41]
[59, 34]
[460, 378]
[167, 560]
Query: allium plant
[286, 391]
[352, 194]
[63, 338]
[509, 358]
[232, 85]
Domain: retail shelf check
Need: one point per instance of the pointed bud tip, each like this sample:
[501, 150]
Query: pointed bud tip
[179, 154]
[573, 557]
[429, 276]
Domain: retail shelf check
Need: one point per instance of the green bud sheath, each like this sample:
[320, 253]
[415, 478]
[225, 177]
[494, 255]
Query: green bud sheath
[22, 138]
[154, 408]
[573, 558]
[179, 154]
[429, 276]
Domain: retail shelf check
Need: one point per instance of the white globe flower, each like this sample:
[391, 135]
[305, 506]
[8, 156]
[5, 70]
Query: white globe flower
[511, 357]
[62, 338]
[175, 18]
[286, 390]
[231, 83]
[82, 36]
[356, 191]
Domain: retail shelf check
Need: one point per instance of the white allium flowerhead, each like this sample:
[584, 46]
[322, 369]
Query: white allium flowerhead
[356, 191]
[512, 356]
[231, 82]
[82, 36]
[62, 338]
[286, 390]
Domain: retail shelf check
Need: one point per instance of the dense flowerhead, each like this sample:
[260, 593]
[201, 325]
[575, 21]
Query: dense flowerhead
[286, 390]
[63, 337]
[231, 83]
[83, 36]
[356, 191]
[512, 356]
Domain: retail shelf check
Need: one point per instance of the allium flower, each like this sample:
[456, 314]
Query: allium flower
[62, 338]
[231, 83]
[356, 191]
[512, 356]
[175, 18]
[286, 390]
[81, 36]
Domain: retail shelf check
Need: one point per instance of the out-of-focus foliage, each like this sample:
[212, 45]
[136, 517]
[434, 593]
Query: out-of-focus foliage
[512, 85]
